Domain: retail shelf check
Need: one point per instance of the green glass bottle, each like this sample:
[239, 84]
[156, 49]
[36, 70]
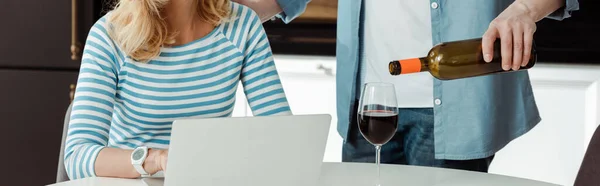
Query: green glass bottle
[457, 59]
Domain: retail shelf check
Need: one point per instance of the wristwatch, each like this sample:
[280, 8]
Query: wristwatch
[138, 156]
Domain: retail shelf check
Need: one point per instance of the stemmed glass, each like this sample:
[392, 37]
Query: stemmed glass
[378, 116]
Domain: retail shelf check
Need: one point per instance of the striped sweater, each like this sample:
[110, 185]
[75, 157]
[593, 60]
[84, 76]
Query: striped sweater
[120, 103]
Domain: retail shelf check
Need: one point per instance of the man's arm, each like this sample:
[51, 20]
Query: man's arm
[292, 9]
[565, 11]
[515, 27]
[557, 9]
[287, 10]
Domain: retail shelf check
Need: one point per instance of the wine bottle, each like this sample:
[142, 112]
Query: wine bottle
[457, 59]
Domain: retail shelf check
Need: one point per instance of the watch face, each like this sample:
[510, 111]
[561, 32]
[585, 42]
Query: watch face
[138, 154]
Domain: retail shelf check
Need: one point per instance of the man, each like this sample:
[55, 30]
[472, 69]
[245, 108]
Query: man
[457, 124]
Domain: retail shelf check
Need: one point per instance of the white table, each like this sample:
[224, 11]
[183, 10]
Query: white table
[364, 174]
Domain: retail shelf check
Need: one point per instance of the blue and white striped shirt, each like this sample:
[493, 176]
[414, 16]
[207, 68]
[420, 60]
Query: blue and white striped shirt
[120, 103]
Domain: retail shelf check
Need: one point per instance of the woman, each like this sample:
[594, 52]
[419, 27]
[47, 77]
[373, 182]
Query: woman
[149, 62]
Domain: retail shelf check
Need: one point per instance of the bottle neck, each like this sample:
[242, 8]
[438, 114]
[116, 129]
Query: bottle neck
[424, 64]
[407, 66]
[414, 65]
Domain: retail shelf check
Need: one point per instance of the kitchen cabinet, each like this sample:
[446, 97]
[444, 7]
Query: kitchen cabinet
[38, 34]
[37, 72]
[312, 33]
[33, 105]
[35, 34]
[320, 11]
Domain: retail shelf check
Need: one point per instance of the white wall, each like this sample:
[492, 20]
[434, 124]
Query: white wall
[309, 84]
[568, 97]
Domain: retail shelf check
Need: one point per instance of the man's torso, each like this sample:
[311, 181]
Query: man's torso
[467, 112]
[394, 30]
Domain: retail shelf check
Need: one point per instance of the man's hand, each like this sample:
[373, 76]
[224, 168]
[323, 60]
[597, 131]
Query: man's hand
[515, 27]
[266, 9]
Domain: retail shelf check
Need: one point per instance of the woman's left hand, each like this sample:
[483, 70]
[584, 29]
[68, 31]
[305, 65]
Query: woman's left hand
[515, 27]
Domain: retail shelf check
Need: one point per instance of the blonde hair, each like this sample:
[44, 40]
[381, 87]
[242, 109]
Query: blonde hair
[139, 29]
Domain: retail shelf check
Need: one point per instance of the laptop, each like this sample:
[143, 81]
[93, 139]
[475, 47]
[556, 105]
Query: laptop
[261, 151]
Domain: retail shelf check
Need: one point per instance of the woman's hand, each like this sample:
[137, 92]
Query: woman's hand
[515, 27]
[156, 161]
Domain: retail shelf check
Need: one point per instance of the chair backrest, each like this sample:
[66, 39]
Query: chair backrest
[61, 173]
[589, 171]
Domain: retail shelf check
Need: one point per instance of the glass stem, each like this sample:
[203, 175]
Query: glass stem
[378, 160]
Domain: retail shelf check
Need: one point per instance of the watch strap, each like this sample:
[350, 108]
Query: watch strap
[140, 169]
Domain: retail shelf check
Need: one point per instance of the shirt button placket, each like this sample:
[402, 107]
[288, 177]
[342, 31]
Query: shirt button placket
[434, 5]
[437, 90]
[437, 102]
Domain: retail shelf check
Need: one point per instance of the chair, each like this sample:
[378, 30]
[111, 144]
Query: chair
[589, 171]
[61, 174]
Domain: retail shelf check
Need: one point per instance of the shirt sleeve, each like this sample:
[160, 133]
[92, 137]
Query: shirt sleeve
[259, 76]
[291, 9]
[92, 106]
[565, 11]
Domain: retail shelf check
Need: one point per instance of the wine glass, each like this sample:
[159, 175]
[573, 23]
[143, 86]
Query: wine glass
[378, 116]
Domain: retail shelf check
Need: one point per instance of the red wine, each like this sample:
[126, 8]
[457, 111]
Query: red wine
[378, 127]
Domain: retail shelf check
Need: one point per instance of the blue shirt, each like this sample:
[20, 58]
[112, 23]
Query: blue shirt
[124, 104]
[476, 116]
